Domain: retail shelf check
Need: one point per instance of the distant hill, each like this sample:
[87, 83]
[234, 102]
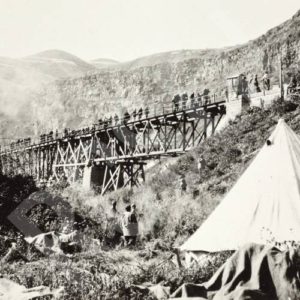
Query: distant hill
[170, 57]
[21, 81]
[59, 64]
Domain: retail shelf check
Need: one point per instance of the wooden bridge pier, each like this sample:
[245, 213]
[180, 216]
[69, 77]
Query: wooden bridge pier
[107, 176]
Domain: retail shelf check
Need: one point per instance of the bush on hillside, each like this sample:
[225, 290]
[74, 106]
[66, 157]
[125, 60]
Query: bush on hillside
[281, 107]
[13, 190]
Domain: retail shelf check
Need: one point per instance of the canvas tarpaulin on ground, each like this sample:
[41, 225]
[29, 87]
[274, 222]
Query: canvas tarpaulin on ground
[255, 272]
[10, 290]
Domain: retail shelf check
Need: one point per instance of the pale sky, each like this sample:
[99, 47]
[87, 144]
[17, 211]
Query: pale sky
[127, 29]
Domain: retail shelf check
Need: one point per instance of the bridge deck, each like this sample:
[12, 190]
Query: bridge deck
[117, 152]
[169, 118]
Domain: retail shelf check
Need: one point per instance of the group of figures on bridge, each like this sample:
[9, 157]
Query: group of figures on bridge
[177, 103]
[112, 153]
[246, 86]
[20, 143]
[182, 102]
[44, 138]
[136, 115]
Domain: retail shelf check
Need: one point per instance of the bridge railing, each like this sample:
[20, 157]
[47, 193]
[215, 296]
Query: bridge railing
[182, 105]
[156, 110]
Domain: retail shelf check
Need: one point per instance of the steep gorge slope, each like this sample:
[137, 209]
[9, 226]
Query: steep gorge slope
[155, 79]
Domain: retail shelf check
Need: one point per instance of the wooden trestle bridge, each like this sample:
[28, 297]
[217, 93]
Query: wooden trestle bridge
[113, 156]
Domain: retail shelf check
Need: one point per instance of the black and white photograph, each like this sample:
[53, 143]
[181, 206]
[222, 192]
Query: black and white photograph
[149, 150]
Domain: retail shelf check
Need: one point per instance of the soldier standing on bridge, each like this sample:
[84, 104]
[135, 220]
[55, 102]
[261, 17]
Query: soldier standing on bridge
[184, 98]
[50, 136]
[192, 98]
[206, 96]
[116, 118]
[199, 100]
[140, 113]
[134, 114]
[176, 101]
[225, 94]
[100, 122]
[66, 133]
[43, 138]
[105, 123]
[244, 85]
[147, 111]
[126, 117]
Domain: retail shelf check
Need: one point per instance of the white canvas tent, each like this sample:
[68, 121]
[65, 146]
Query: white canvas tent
[264, 204]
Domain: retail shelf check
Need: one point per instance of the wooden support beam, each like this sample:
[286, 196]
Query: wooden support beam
[205, 124]
[184, 133]
[166, 134]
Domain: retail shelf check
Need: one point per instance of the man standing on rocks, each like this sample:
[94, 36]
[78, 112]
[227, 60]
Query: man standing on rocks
[183, 185]
[130, 225]
[266, 81]
[256, 85]
[201, 164]
[113, 219]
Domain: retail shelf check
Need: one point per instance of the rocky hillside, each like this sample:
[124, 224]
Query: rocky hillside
[155, 79]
